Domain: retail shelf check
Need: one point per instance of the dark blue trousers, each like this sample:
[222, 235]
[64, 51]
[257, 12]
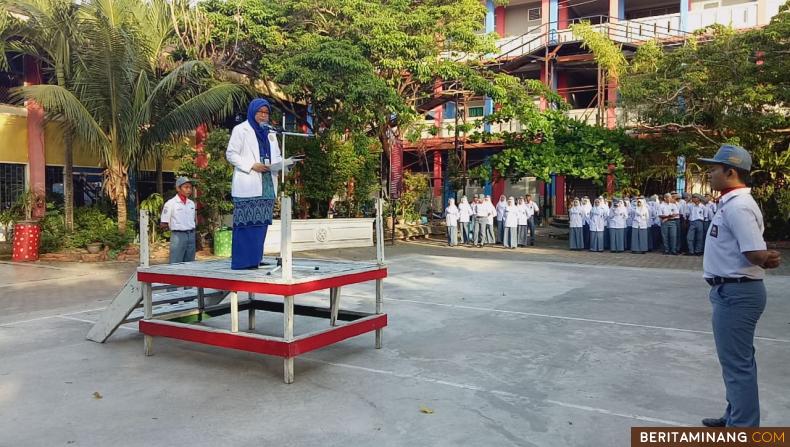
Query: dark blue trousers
[736, 309]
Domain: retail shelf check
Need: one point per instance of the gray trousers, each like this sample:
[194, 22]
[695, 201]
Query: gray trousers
[617, 239]
[531, 226]
[182, 246]
[737, 308]
[669, 233]
[452, 236]
[511, 237]
[639, 238]
[596, 240]
[479, 233]
[500, 234]
[576, 238]
[490, 238]
[696, 236]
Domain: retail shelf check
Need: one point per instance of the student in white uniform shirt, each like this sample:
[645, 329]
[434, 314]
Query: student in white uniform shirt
[695, 215]
[670, 214]
[598, 217]
[523, 222]
[640, 222]
[490, 235]
[465, 215]
[500, 219]
[511, 215]
[734, 262]
[710, 211]
[482, 213]
[617, 218]
[451, 215]
[654, 241]
[576, 233]
[178, 215]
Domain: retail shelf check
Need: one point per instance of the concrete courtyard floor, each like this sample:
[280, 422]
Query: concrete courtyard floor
[484, 347]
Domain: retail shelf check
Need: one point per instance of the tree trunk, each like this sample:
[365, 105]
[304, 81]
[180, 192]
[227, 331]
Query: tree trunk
[160, 188]
[68, 182]
[120, 201]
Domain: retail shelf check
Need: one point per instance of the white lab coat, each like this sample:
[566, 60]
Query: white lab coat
[511, 216]
[598, 215]
[451, 215]
[576, 215]
[242, 153]
[464, 212]
[641, 218]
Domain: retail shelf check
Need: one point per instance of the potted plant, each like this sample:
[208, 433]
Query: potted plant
[94, 247]
[27, 233]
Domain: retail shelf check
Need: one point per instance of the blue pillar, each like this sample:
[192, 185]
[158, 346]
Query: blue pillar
[621, 9]
[684, 15]
[489, 186]
[554, 16]
[446, 180]
[488, 105]
[310, 118]
[680, 184]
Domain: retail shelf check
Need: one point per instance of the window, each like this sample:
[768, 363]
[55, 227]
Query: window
[534, 14]
[12, 183]
[475, 112]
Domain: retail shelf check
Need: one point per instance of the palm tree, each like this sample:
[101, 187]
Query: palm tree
[118, 105]
[46, 30]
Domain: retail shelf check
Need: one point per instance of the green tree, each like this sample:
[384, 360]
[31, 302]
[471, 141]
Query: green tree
[117, 106]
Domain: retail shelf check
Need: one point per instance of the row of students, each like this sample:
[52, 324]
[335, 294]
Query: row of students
[510, 223]
[641, 225]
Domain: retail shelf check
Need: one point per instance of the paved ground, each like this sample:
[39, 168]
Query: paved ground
[530, 347]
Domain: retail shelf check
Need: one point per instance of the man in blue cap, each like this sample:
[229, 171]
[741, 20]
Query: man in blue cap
[178, 216]
[734, 266]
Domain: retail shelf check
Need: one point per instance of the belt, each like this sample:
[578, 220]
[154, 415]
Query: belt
[182, 231]
[716, 280]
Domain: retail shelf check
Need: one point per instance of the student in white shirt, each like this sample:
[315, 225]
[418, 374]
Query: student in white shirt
[734, 266]
[451, 215]
[695, 215]
[617, 218]
[710, 208]
[532, 210]
[523, 222]
[598, 216]
[576, 233]
[465, 215]
[482, 214]
[178, 215]
[640, 223]
[500, 219]
[490, 235]
[511, 216]
[654, 240]
[670, 214]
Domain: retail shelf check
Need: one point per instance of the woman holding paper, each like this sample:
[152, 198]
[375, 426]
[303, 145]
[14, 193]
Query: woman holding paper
[252, 151]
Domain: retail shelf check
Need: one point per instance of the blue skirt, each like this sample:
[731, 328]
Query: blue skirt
[251, 219]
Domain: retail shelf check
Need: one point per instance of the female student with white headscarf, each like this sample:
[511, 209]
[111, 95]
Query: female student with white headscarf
[587, 207]
[617, 217]
[451, 215]
[512, 212]
[500, 219]
[598, 216]
[640, 223]
[576, 234]
[465, 214]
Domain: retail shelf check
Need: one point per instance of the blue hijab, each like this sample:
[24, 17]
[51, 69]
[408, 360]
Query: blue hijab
[261, 133]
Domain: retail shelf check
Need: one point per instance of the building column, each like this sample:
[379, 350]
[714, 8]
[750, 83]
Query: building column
[437, 112]
[499, 21]
[616, 10]
[437, 173]
[611, 104]
[498, 187]
[553, 19]
[685, 7]
[763, 14]
[562, 85]
[35, 141]
[201, 133]
[559, 193]
[562, 16]
[488, 105]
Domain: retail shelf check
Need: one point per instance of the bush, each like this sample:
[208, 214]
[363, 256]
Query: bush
[91, 224]
[53, 230]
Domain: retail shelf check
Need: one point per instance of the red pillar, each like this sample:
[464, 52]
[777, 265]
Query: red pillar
[35, 140]
[562, 13]
[499, 20]
[562, 85]
[498, 188]
[437, 112]
[544, 19]
[610, 180]
[611, 103]
[559, 193]
[437, 173]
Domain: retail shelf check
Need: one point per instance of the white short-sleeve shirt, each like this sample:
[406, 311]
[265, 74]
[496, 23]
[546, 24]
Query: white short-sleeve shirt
[736, 228]
[179, 216]
[695, 212]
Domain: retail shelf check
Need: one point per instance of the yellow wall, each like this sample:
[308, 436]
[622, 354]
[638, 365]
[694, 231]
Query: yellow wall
[13, 145]
[13, 138]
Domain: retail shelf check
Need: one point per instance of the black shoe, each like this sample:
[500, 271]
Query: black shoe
[714, 422]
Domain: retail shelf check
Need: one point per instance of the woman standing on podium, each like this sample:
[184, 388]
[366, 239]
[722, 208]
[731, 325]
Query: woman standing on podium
[252, 150]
